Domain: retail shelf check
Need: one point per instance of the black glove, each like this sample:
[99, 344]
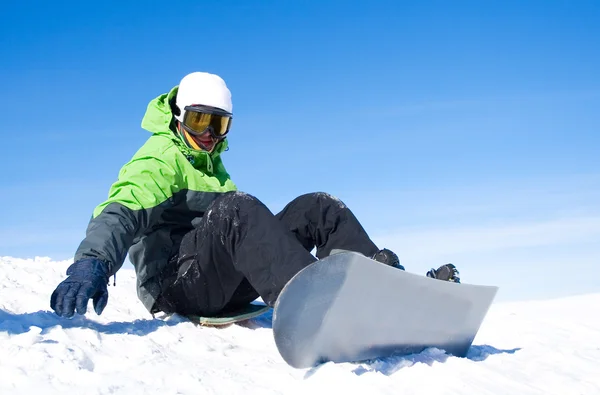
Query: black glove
[88, 279]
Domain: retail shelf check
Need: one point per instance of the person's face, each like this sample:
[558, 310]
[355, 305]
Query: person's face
[203, 142]
[203, 127]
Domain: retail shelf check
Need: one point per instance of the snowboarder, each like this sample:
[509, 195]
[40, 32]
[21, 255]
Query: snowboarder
[198, 245]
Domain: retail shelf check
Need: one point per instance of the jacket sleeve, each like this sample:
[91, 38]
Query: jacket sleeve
[143, 190]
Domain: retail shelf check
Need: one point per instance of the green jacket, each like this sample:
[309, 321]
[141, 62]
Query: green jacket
[161, 193]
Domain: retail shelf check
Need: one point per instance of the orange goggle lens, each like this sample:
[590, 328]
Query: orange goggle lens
[199, 121]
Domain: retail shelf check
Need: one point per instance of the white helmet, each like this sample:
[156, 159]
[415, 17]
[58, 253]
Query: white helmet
[205, 89]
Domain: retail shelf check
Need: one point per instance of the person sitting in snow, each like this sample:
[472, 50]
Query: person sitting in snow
[198, 245]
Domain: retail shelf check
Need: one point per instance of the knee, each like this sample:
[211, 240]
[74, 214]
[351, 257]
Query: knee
[322, 199]
[228, 204]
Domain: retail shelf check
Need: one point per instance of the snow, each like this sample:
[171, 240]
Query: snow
[530, 347]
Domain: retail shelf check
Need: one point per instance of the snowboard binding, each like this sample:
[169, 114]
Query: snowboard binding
[447, 272]
[388, 257]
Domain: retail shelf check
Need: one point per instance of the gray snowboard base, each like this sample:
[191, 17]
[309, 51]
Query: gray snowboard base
[229, 318]
[349, 308]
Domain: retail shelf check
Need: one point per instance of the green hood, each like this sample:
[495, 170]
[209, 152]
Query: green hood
[157, 120]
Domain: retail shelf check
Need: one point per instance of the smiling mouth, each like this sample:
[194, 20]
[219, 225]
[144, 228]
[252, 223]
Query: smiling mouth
[208, 143]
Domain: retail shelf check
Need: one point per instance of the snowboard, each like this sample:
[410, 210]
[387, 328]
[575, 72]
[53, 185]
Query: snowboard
[349, 308]
[231, 317]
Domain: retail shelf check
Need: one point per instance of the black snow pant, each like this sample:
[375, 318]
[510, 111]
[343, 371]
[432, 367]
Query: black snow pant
[240, 251]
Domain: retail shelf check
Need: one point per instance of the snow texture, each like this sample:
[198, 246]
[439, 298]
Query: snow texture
[535, 347]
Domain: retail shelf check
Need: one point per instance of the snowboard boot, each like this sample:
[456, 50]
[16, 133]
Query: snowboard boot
[447, 272]
[387, 257]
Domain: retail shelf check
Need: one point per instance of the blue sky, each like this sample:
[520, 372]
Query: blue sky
[462, 131]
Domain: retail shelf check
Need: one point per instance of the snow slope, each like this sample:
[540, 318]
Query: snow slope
[540, 347]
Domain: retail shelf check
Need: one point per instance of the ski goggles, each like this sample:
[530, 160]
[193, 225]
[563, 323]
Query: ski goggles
[199, 120]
